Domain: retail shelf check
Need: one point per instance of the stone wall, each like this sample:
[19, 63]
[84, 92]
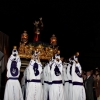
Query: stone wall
[4, 47]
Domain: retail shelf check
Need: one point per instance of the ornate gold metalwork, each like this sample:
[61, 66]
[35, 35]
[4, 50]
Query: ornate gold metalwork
[46, 53]
[77, 54]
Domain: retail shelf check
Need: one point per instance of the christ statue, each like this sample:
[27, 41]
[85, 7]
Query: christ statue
[38, 26]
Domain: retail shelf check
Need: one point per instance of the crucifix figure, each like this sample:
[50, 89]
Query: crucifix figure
[38, 26]
[36, 31]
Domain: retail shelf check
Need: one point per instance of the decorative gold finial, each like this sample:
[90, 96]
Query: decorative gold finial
[58, 52]
[53, 35]
[15, 47]
[37, 50]
[25, 31]
[77, 54]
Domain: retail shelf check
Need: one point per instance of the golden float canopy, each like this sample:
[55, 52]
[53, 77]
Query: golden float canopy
[46, 51]
[26, 51]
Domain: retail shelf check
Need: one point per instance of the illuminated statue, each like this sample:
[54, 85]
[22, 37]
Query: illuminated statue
[23, 42]
[53, 40]
[38, 27]
[24, 38]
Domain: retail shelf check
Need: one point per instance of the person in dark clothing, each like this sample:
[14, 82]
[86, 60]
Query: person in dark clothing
[97, 87]
[94, 89]
[89, 86]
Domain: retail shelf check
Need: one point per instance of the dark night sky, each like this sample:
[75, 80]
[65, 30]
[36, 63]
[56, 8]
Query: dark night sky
[76, 25]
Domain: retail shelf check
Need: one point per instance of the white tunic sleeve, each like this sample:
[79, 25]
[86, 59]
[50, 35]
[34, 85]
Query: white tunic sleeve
[63, 71]
[52, 68]
[18, 62]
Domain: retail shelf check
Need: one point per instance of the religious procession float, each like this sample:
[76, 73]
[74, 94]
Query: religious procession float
[46, 50]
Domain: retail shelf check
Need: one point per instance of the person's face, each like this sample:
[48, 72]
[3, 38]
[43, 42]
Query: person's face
[88, 73]
[57, 59]
[96, 72]
[92, 71]
[84, 76]
[98, 77]
[94, 76]
[77, 53]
